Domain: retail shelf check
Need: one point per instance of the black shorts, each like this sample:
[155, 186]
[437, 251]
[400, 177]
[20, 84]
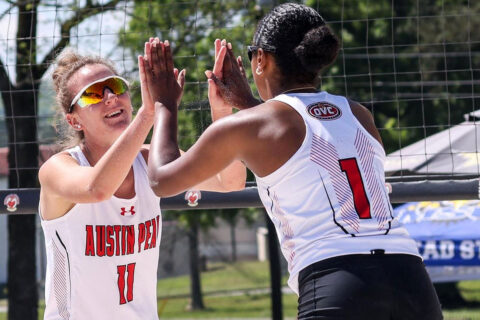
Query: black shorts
[374, 287]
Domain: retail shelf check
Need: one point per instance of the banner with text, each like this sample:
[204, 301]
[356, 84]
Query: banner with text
[446, 232]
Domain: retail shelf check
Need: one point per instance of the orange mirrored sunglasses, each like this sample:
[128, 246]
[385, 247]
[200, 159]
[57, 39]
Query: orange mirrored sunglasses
[93, 92]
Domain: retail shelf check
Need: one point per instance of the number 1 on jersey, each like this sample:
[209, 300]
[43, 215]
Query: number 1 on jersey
[130, 269]
[360, 200]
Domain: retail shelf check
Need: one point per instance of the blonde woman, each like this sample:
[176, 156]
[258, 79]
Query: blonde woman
[101, 220]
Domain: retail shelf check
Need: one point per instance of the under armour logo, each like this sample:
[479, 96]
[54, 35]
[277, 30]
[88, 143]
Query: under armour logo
[130, 212]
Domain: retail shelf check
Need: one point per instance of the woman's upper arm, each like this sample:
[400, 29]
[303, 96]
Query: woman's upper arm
[216, 148]
[55, 199]
[61, 176]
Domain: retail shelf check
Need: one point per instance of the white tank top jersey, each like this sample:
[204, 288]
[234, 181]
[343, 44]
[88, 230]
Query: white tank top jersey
[329, 199]
[102, 257]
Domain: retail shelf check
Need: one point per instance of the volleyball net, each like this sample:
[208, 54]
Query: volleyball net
[415, 64]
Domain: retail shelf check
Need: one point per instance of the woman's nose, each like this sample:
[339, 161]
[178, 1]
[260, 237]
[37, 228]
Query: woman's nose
[109, 95]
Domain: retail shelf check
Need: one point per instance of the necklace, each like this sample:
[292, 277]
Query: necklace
[301, 88]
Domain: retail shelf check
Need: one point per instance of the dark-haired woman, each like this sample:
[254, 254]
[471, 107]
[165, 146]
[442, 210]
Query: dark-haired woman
[318, 161]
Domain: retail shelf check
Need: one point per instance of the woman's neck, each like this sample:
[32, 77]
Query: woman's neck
[93, 151]
[292, 88]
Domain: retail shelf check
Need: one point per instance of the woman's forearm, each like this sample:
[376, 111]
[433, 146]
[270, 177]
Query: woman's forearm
[164, 145]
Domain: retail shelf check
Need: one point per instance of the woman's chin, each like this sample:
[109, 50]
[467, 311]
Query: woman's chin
[116, 130]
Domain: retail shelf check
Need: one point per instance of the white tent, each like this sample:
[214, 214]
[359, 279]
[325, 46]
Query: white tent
[454, 151]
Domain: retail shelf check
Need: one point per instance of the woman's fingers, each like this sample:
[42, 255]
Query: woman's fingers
[218, 45]
[168, 58]
[181, 78]
[149, 73]
[214, 94]
[240, 66]
[147, 50]
[218, 66]
[144, 89]
[154, 60]
[141, 69]
[230, 61]
[161, 56]
[210, 75]
[230, 53]
[220, 87]
[212, 89]
[181, 83]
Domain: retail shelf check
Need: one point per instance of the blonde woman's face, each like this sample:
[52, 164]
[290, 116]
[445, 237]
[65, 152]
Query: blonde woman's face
[105, 120]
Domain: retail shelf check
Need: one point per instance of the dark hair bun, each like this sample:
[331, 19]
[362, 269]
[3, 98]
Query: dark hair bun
[318, 49]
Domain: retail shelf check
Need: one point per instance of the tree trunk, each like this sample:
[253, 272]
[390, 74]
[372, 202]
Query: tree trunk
[233, 241]
[21, 110]
[195, 285]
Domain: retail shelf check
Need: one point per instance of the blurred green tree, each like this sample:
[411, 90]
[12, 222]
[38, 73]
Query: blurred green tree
[413, 63]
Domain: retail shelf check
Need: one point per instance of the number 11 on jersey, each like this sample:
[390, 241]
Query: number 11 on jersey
[126, 294]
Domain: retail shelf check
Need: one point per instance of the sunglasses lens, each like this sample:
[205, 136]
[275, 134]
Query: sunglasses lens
[94, 93]
[89, 98]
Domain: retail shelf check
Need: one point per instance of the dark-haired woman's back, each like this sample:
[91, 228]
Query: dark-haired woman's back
[334, 220]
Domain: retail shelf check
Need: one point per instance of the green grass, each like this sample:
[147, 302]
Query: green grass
[462, 314]
[470, 290]
[245, 306]
[223, 279]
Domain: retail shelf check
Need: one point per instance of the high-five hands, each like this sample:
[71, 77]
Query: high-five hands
[163, 82]
[227, 83]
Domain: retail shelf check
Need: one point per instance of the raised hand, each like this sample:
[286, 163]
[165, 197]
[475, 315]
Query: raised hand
[227, 83]
[165, 86]
[219, 107]
[165, 83]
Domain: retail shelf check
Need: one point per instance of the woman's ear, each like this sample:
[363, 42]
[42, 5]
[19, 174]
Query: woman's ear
[265, 62]
[73, 122]
[261, 61]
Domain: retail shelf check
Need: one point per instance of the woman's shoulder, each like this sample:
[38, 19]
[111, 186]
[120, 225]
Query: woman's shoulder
[60, 156]
[269, 112]
[58, 159]
[365, 118]
[360, 111]
[267, 108]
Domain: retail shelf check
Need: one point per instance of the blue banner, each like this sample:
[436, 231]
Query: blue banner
[449, 252]
[446, 232]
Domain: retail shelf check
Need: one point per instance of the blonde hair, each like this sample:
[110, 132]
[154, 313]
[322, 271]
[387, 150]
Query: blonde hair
[67, 63]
